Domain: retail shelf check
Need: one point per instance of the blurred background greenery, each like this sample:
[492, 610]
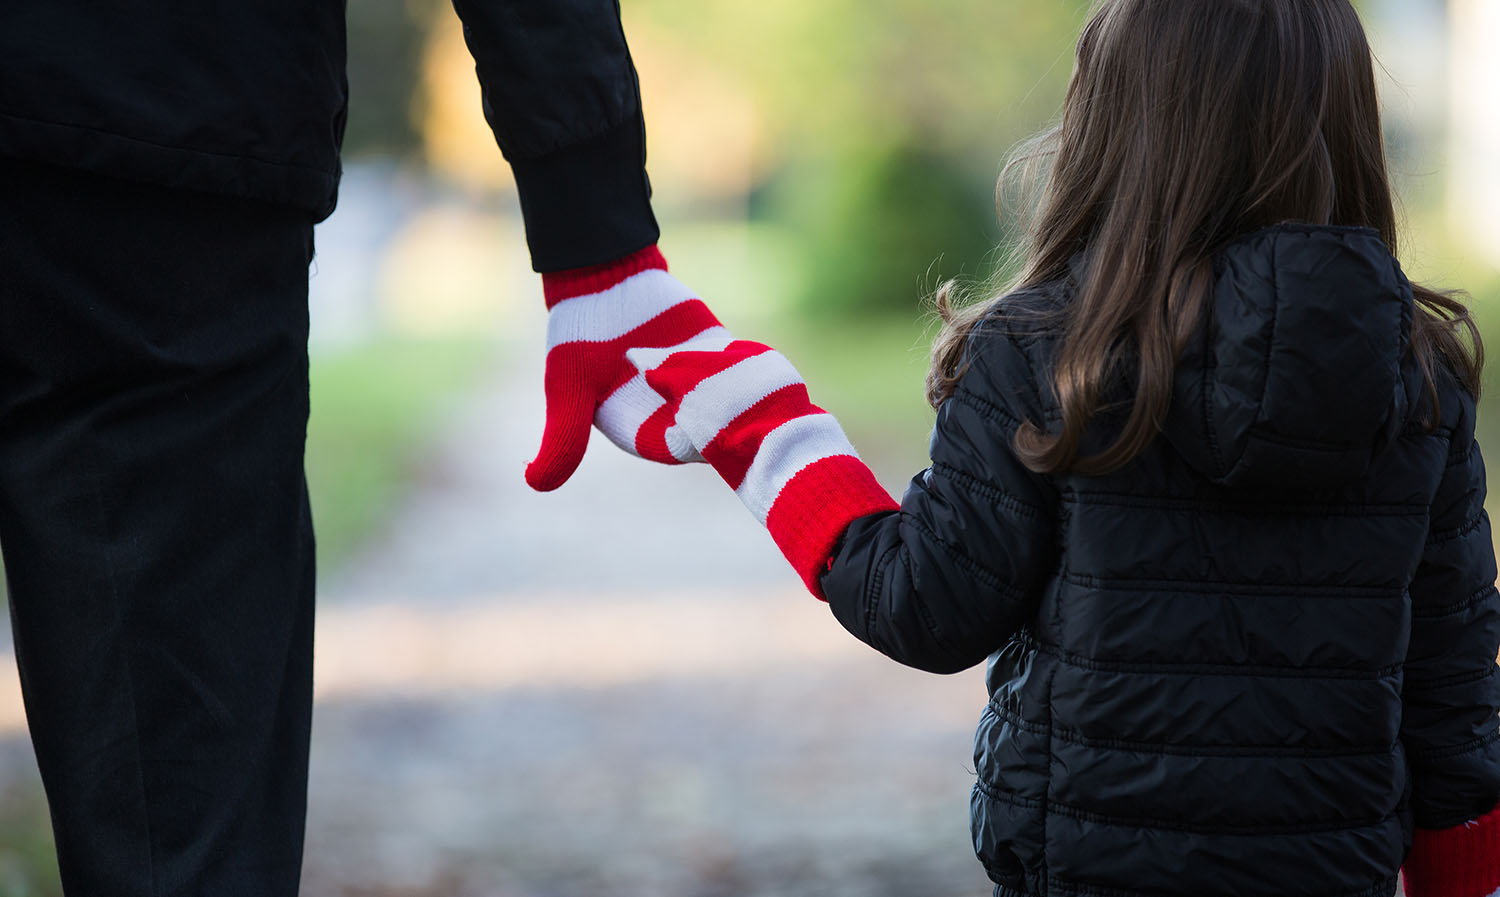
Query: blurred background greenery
[819, 167]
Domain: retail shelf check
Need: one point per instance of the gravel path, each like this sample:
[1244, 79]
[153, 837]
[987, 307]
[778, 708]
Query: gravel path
[615, 690]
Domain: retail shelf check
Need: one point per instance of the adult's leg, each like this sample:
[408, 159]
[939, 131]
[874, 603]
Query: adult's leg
[154, 519]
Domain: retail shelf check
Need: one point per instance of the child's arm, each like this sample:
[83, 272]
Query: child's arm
[746, 411]
[938, 583]
[947, 581]
[1451, 694]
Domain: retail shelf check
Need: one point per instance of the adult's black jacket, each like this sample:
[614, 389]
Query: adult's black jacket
[249, 99]
[1250, 661]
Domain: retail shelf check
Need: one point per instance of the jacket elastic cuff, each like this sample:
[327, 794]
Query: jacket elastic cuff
[1462, 861]
[816, 506]
[588, 203]
[560, 285]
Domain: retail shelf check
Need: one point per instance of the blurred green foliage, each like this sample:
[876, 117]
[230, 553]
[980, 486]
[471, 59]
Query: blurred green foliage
[28, 865]
[374, 409]
[1484, 291]
[867, 369]
[888, 122]
[385, 44]
[959, 77]
[880, 227]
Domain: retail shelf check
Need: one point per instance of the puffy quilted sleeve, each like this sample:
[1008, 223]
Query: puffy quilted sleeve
[942, 583]
[1451, 697]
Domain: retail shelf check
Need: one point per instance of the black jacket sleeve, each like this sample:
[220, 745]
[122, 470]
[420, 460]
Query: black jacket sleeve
[945, 581]
[1451, 695]
[561, 95]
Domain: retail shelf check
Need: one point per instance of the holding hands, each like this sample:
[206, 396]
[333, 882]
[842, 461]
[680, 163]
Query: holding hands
[747, 412]
[594, 316]
[634, 352]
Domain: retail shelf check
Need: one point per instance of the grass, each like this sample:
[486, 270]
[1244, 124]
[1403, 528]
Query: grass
[870, 374]
[374, 408]
[28, 865]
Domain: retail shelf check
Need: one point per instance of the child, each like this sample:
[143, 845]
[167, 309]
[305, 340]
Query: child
[1204, 487]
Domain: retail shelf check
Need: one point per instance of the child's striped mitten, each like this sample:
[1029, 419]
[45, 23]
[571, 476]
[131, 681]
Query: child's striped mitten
[595, 314]
[1463, 861]
[745, 409]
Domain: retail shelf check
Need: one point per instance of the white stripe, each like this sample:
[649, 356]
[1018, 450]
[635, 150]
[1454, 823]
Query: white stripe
[681, 446]
[716, 401]
[601, 317]
[784, 453]
[621, 416]
[649, 358]
[714, 339]
[679, 441]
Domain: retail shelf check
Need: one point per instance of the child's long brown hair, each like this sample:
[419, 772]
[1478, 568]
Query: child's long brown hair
[1187, 123]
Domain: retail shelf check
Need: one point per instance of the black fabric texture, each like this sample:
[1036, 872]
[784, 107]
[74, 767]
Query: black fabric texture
[1249, 662]
[155, 526]
[249, 100]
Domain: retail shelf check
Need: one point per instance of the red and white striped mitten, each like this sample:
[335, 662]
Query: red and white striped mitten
[1462, 861]
[595, 315]
[746, 410]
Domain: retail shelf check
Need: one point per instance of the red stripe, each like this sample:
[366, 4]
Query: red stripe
[604, 365]
[560, 285]
[683, 371]
[1462, 861]
[681, 375]
[651, 438]
[816, 506]
[583, 372]
[677, 324]
[733, 450]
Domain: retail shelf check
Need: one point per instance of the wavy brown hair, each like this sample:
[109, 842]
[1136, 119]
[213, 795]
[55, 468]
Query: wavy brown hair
[1188, 123]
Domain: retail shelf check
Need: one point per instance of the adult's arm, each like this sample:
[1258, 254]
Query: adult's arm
[562, 97]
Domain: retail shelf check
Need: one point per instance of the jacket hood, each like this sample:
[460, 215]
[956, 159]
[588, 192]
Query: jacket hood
[1300, 375]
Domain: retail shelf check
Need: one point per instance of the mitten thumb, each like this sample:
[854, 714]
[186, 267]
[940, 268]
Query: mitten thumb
[648, 358]
[565, 437]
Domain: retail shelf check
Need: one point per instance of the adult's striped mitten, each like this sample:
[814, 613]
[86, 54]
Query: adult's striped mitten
[1462, 861]
[594, 315]
[747, 412]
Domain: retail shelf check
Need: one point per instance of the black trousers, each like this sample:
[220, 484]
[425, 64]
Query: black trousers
[155, 527]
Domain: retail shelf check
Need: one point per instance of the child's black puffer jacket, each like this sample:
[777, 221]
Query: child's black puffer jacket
[1250, 661]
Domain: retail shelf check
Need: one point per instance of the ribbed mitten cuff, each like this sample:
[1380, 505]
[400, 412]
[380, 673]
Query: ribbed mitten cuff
[746, 409]
[588, 202]
[560, 285]
[817, 504]
[1462, 861]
